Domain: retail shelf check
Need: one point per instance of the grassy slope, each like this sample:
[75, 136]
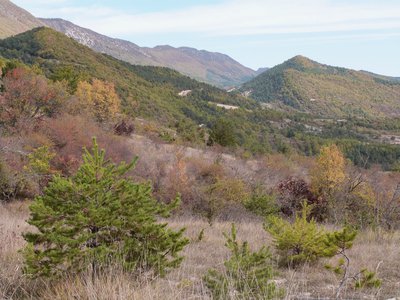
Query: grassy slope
[151, 93]
[147, 91]
[370, 249]
[324, 90]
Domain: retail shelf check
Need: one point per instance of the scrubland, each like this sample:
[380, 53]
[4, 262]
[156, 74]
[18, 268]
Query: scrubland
[178, 169]
[373, 249]
[314, 199]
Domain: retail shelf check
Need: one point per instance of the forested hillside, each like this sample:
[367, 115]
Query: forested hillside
[214, 68]
[60, 56]
[117, 181]
[147, 92]
[153, 93]
[308, 86]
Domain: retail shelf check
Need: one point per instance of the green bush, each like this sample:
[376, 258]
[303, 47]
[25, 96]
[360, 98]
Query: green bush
[343, 240]
[247, 274]
[367, 279]
[223, 133]
[13, 185]
[222, 192]
[100, 216]
[301, 241]
[262, 204]
[7, 189]
[39, 161]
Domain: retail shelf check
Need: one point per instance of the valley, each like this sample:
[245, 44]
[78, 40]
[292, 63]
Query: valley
[131, 172]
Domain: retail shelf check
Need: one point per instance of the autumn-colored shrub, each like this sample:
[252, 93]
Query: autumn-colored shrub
[8, 188]
[175, 180]
[14, 185]
[293, 192]
[354, 202]
[69, 134]
[329, 171]
[124, 128]
[98, 98]
[16, 182]
[29, 97]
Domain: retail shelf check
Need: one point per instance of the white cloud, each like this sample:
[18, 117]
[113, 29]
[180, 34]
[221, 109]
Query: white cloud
[343, 37]
[25, 3]
[254, 17]
[239, 17]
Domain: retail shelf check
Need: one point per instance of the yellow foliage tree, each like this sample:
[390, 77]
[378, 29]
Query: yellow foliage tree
[329, 171]
[100, 98]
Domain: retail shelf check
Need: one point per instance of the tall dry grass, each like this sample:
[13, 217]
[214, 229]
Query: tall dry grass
[372, 249]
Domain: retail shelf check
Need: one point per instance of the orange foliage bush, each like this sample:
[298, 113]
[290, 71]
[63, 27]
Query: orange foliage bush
[98, 98]
[70, 134]
[28, 97]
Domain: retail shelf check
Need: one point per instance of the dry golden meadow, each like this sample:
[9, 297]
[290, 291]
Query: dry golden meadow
[376, 250]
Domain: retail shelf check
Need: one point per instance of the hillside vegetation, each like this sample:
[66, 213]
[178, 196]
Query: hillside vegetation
[214, 68]
[308, 86]
[118, 181]
[152, 93]
[147, 92]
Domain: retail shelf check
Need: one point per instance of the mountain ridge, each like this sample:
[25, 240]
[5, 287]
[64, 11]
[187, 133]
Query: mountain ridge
[308, 86]
[15, 20]
[210, 67]
[151, 88]
[146, 92]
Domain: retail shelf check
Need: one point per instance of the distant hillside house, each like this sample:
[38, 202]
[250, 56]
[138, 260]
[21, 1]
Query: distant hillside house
[184, 93]
[224, 106]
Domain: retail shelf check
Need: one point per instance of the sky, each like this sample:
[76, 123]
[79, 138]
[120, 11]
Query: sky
[357, 34]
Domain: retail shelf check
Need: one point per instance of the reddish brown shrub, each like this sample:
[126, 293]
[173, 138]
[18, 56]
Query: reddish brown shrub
[123, 128]
[29, 97]
[293, 192]
[70, 134]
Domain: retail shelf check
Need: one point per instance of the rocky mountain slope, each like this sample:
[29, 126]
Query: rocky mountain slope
[309, 86]
[210, 67]
[14, 20]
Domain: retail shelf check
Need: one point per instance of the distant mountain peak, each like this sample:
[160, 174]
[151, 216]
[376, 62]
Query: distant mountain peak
[301, 59]
[300, 62]
[309, 86]
[15, 20]
[261, 70]
[210, 67]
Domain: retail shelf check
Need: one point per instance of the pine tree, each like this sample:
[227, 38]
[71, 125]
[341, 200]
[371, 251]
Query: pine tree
[343, 240]
[301, 241]
[248, 275]
[223, 133]
[97, 217]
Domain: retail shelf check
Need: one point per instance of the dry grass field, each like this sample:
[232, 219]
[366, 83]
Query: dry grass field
[378, 251]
